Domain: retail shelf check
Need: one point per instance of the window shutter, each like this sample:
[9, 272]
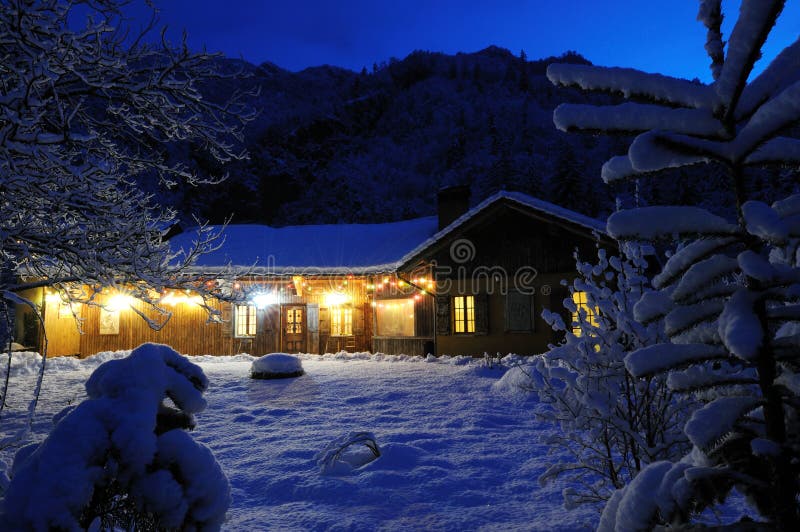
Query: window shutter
[481, 314]
[358, 321]
[519, 312]
[312, 326]
[443, 315]
[226, 313]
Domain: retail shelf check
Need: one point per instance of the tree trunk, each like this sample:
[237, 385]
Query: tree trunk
[7, 308]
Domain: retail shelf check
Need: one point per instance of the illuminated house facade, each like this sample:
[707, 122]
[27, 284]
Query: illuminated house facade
[467, 281]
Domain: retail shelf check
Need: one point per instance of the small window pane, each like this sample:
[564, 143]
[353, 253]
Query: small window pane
[395, 317]
[341, 321]
[464, 314]
[245, 317]
[470, 306]
[294, 321]
[582, 306]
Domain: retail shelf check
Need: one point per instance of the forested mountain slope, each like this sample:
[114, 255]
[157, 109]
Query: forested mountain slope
[331, 145]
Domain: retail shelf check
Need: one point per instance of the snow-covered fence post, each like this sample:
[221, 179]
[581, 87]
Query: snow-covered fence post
[730, 296]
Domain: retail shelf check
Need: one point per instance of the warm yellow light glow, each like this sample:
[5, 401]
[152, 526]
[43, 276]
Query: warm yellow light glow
[174, 298]
[334, 299]
[297, 281]
[262, 299]
[118, 302]
[581, 303]
[52, 297]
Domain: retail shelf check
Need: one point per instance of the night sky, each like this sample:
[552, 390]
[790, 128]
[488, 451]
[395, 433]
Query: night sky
[652, 35]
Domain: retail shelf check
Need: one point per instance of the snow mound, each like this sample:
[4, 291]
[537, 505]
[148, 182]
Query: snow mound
[348, 452]
[276, 366]
[517, 381]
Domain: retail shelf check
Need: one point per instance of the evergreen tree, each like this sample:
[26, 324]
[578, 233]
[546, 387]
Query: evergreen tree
[730, 296]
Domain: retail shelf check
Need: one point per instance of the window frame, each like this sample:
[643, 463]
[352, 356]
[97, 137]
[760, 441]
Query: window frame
[581, 302]
[341, 321]
[250, 327]
[463, 314]
[294, 326]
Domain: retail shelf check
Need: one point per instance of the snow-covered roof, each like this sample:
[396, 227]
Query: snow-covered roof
[523, 200]
[352, 248]
[330, 249]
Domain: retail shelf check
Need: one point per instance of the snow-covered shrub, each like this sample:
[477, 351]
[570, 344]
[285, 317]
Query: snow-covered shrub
[347, 452]
[276, 366]
[612, 423]
[123, 455]
[730, 297]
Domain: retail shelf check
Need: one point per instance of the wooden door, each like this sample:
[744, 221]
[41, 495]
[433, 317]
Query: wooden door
[293, 327]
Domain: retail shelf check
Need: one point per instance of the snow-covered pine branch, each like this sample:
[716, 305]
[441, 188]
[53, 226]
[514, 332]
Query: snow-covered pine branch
[727, 295]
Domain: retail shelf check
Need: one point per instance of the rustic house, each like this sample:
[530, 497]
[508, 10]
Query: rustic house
[468, 281]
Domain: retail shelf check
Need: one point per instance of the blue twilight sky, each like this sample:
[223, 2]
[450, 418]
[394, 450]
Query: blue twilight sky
[652, 35]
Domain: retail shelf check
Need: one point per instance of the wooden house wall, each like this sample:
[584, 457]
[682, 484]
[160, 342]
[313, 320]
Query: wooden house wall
[506, 251]
[189, 331]
[403, 287]
[186, 331]
[547, 294]
[63, 334]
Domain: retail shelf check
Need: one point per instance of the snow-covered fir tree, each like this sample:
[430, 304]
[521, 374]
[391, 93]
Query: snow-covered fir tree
[730, 297]
[612, 423]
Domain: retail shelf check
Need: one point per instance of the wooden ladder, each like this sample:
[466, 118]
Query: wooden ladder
[350, 344]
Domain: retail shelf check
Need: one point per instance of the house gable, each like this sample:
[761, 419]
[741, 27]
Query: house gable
[509, 232]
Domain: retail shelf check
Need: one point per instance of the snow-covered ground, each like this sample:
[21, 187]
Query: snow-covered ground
[457, 452]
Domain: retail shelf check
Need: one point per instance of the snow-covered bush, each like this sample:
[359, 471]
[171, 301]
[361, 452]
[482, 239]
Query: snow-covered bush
[123, 457]
[730, 297]
[612, 423]
[276, 366]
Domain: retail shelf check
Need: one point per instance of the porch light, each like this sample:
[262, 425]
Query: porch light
[262, 299]
[174, 298]
[334, 299]
[118, 302]
[52, 297]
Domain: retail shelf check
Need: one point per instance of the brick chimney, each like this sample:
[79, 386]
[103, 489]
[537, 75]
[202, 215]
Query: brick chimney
[452, 202]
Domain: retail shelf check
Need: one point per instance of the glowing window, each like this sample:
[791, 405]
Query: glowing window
[245, 318]
[294, 321]
[464, 314]
[581, 304]
[395, 317]
[341, 321]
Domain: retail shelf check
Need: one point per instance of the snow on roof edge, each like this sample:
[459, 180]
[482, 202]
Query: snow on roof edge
[520, 198]
[305, 271]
